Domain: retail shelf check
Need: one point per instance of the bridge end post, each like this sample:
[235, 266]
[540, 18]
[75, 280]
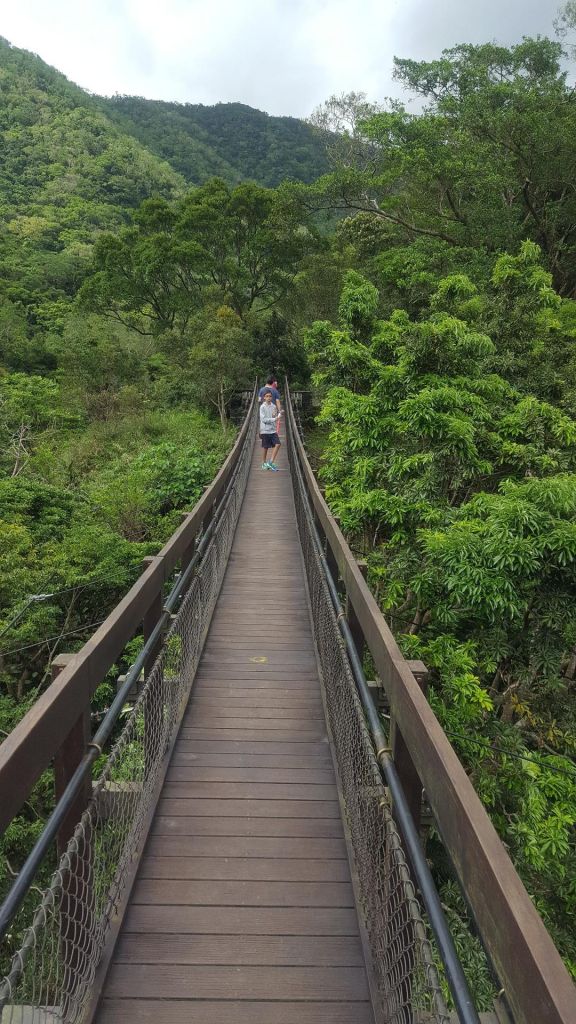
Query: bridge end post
[330, 556]
[151, 619]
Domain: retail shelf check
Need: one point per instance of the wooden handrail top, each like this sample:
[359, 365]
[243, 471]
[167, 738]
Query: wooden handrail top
[538, 986]
[34, 742]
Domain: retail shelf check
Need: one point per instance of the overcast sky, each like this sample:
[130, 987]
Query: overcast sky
[283, 56]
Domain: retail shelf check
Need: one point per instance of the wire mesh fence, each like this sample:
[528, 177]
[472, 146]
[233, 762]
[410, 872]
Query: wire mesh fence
[407, 982]
[62, 942]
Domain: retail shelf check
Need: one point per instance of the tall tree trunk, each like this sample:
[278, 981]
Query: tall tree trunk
[222, 408]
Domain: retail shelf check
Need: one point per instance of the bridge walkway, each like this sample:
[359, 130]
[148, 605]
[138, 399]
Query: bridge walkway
[243, 907]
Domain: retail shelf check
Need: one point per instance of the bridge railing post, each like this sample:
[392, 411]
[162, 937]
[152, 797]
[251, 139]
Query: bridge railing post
[208, 517]
[153, 703]
[332, 564]
[189, 551]
[151, 619]
[407, 773]
[352, 619]
[331, 558]
[67, 760]
[77, 898]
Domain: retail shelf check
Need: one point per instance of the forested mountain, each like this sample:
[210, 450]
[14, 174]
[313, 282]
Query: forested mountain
[230, 140]
[67, 174]
[74, 165]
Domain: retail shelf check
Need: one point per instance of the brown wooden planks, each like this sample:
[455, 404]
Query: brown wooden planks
[298, 661]
[119, 1011]
[275, 950]
[254, 847]
[334, 984]
[200, 709]
[240, 735]
[176, 785]
[185, 825]
[221, 759]
[242, 921]
[269, 809]
[243, 905]
[187, 892]
[298, 775]
[268, 705]
[307, 728]
[268, 689]
[250, 869]
[229, 745]
[279, 645]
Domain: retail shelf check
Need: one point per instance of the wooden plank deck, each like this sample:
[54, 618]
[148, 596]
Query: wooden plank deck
[243, 907]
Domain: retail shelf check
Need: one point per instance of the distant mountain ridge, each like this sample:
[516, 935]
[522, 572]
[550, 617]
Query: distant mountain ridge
[230, 140]
[74, 165]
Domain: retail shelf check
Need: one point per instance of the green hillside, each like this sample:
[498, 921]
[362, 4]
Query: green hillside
[230, 140]
[75, 165]
[67, 174]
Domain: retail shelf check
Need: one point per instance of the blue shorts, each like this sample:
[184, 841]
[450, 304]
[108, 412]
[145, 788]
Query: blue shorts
[269, 440]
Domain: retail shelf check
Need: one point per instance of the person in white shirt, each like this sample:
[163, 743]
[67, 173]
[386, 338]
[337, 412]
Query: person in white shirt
[268, 431]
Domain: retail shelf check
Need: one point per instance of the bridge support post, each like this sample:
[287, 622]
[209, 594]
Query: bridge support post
[153, 701]
[352, 620]
[77, 899]
[150, 620]
[411, 782]
[208, 517]
[189, 551]
[67, 760]
[332, 565]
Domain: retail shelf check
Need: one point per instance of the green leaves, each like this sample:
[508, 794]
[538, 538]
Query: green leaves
[483, 167]
[460, 490]
[358, 304]
[244, 244]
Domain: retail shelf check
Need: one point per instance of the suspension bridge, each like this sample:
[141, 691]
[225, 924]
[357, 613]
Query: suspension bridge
[239, 839]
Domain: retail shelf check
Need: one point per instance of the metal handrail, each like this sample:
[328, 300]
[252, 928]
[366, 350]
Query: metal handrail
[537, 985]
[36, 740]
[456, 979]
[31, 866]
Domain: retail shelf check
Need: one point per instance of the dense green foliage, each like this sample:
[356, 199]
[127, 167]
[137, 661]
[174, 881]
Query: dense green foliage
[131, 310]
[75, 165]
[447, 372]
[487, 164]
[460, 490]
[242, 244]
[228, 140]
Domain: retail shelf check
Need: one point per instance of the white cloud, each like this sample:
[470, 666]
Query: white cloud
[284, 56]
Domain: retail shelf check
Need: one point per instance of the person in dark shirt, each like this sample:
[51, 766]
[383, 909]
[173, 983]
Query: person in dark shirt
[272, 386]
[268, 431]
